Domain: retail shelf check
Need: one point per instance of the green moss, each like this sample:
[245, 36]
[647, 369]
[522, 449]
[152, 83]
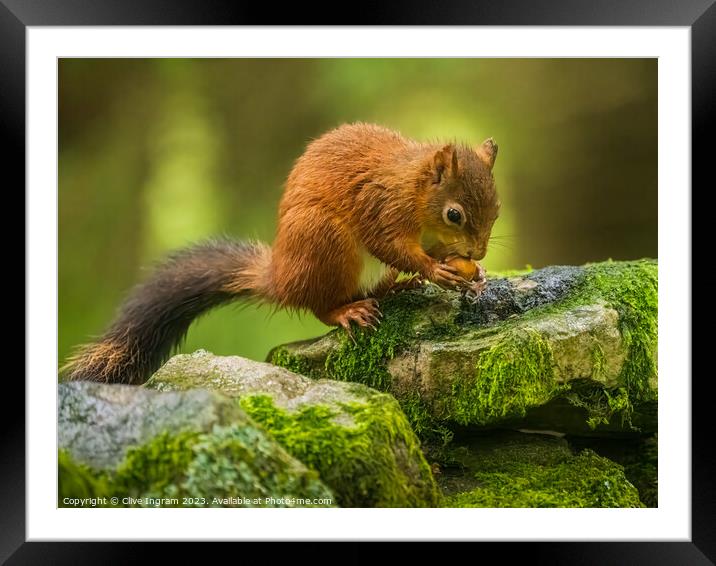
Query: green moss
[637, 454]
[632, 289]
[374, 461]
[364, 359]
[76, 480]
[498, 451]
[513, 375]
[243, 461]
[283, 358]
[422, 421]
[154, 466]
[193, 469]
[601, 404]
[599, 363]
[517, 372]
[535, 477]
[512, 469]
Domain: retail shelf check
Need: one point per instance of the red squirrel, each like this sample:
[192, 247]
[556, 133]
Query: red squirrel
[358, 189]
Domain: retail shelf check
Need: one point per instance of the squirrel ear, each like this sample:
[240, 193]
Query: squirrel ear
[487, 152]
[444, 162]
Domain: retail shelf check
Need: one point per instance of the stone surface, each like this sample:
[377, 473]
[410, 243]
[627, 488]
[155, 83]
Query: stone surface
[561, 350]
[194, 448]
[568, 348]
[357, 438]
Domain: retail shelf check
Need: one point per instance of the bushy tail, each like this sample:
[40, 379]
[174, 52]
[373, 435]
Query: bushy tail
[157, 313]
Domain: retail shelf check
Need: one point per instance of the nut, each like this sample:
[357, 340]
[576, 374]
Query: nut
[467, 268]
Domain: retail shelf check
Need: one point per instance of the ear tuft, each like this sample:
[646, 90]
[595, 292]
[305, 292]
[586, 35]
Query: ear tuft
[487, 152]
[444, 163]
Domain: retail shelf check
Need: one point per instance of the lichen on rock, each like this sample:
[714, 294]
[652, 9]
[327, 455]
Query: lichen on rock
[173, 449]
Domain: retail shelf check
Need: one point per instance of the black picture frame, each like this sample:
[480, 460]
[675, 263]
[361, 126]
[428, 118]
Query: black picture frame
[699, 15]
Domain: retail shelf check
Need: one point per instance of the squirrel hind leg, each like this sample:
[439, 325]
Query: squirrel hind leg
[364, 313]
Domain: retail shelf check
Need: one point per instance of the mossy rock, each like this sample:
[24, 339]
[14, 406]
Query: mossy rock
[356, 438]
[638, 456]
[174, 449]
[511, 469]
[564, 348]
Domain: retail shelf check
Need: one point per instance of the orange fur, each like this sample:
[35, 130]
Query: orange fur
[103, 360]
[362, 185]
[357, 188]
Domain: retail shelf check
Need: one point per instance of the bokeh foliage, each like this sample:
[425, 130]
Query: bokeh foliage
[157, 153]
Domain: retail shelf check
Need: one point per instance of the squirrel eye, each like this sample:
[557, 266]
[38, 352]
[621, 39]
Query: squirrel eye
[454, 216]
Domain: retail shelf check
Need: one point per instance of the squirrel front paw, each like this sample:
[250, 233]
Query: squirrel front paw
[447, 276]
[478, 284]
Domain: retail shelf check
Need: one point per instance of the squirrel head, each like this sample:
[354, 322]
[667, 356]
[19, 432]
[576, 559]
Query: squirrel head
[462, 203]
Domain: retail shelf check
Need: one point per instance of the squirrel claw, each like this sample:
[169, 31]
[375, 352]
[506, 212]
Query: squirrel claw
[474, 289]
[363, 313]
[447, 277]
[349, 331]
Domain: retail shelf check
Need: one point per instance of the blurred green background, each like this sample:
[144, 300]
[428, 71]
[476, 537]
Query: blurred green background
[157, 153]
